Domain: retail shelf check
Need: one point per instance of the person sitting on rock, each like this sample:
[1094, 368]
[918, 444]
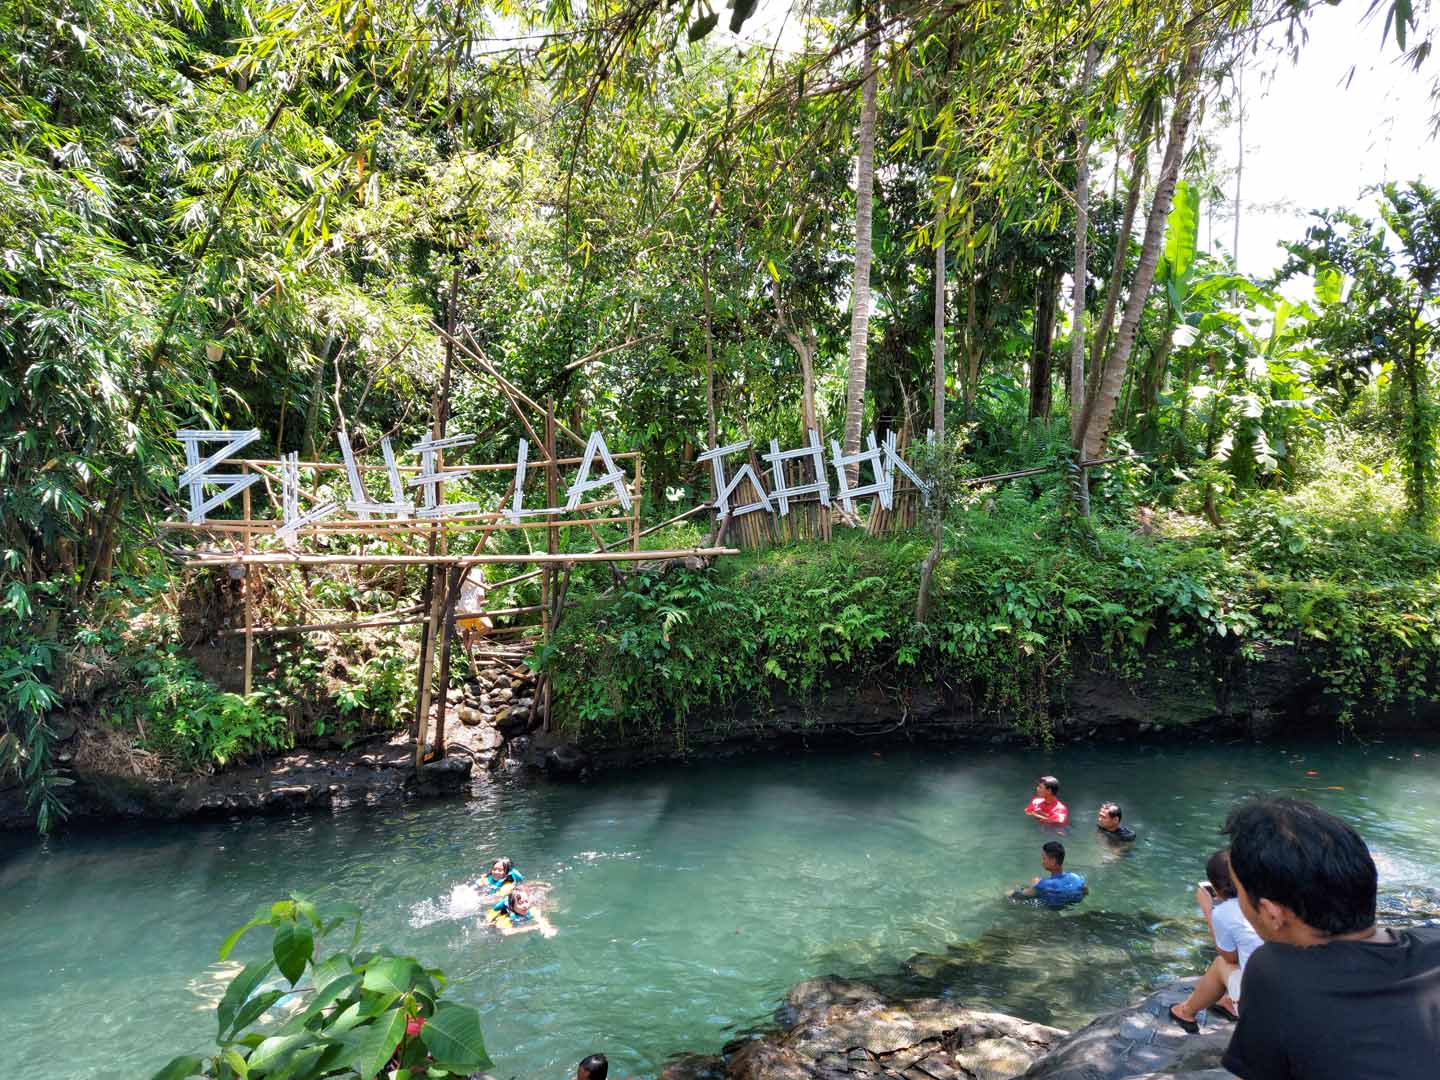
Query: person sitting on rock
[502, 877]
[1046, 806]
[1061, 887]
[1235, 940]
[1107, 820]
[594, 1067]
[517, 913]
[1329, 994]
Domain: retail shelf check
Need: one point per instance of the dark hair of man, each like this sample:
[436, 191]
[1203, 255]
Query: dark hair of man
[1055, 850]
[1111, 809]
[1298, 856]
[595, 1066]
[1217, 870]
[1051, 784]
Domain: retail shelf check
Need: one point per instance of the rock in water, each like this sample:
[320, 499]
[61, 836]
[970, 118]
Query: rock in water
[840, 1027]
[1141, 1041]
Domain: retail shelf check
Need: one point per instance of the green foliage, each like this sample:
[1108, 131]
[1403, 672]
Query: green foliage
[352, 1014]
[184, 718]
[1014, 604]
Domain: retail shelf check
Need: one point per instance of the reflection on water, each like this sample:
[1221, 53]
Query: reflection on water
[688, 900]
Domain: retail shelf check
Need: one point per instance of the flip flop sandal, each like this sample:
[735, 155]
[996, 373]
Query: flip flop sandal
[1190, 1027]
[1220, 1010]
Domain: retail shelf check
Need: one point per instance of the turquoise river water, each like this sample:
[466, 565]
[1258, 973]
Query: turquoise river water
[688, 899]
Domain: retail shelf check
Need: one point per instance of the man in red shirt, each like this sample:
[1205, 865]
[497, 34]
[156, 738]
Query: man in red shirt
[1046, 806]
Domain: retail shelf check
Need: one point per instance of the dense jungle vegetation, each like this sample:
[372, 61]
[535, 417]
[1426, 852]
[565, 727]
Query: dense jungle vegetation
[981, 220]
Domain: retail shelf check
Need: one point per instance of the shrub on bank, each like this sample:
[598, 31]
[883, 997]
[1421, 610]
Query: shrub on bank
[1016, 602]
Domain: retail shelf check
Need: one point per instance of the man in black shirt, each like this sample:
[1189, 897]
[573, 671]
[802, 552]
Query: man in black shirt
[1329, 996]
[1107, 819]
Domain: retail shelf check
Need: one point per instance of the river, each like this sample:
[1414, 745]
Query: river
[688, 898]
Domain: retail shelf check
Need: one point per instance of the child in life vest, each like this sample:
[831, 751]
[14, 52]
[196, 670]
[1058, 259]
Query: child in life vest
[517, 914]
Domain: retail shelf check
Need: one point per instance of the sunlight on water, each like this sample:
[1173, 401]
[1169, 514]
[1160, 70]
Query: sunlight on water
[688, 900]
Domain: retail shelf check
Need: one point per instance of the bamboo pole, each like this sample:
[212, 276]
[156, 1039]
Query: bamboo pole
[635, 519]
[367, 624]
[428, 599]
[246, 583]
[422, 526]
[452, 594]
[541, 558]
[261, 464]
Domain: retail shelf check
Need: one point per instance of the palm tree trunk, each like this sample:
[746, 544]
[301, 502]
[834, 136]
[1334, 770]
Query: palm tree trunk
[1117, 266]
[860, 290]
[1082, 236]
[1100, 408]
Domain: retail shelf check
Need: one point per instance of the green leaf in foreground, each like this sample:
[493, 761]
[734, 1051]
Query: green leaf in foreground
[453, 1038]
[394, 975]
[294, 945]
[180, 1068]
[278, 1047]
[239, 991]
[371, 1048]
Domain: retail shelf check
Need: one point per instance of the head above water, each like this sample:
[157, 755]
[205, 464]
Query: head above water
[1052, 856]
[1217, 872]
[594, 1067]
[501, 867]
[1047, 786]
[519, 900]
[1108, 816]
[1294, 863]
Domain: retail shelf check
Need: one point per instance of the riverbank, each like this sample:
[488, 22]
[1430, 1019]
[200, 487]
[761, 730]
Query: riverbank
[1290, 623]
[491, 729]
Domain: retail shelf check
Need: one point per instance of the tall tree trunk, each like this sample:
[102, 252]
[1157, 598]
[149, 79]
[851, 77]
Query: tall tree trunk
[1418, 432]
[972, 347]
[1117, 265]
[804, 344]
[938, 421]
[1047, 301]
[860, 290]
[1082, 236]
[1100, 408]
[1240, 156]
[711, 426]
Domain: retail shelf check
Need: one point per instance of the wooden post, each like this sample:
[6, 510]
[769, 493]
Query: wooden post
[427, 598]
[447, 634]
[635, 516]
[552, 545]
[245, 585]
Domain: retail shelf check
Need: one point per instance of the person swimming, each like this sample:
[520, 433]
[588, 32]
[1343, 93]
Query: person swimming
[1062, 887]
[502, 878]
[518, 913]
[1046, 805]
